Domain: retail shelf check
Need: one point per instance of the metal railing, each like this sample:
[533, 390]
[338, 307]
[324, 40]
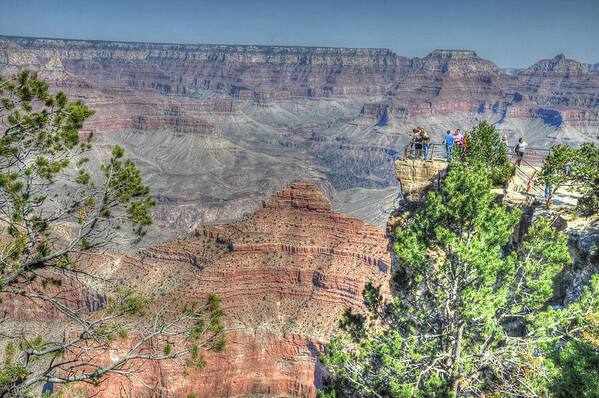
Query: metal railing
[435, 152]
[533, 159]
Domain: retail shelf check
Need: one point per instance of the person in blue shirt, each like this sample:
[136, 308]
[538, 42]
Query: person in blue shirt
[448, 141]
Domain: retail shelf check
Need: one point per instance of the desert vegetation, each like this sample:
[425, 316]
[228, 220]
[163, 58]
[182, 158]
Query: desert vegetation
[470, 315]
[60, 212]
[576, 168]
[485, 147]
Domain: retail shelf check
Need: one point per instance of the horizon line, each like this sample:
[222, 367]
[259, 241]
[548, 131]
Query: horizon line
[281, 46]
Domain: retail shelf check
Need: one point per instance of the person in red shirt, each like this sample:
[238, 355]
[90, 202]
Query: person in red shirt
[465, 139]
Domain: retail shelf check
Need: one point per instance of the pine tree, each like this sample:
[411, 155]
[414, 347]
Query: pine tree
[458, 322]
[569, 337]
[48, 184]
[578, 167]
[485, 147]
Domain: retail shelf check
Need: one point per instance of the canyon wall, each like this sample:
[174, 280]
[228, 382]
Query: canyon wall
[284, 274]
[215, 129]
[224, 133]
[445, 80]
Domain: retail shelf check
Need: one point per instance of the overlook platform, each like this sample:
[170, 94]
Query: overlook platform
[418, 176]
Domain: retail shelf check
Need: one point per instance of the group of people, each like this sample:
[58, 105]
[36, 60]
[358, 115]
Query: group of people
[455, 140]
[421, 142]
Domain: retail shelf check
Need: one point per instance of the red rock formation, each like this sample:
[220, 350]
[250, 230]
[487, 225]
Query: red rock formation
[298, 196]
[284, 274]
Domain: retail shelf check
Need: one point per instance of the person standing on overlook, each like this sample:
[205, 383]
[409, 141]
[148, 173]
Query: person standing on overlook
[458, 137]
[418, 142]
[465, 139]
[448, 141]
[519, 150]
[458, 140]
[504, 141]
[426, 141]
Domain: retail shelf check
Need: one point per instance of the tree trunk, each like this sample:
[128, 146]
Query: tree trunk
[548, 204]
[457, 354]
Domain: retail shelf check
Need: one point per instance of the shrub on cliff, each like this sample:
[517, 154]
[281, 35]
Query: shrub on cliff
[553, 174]
[484, 147]
[464, 300]
[58, 210]
[569, 337]
[583, 175]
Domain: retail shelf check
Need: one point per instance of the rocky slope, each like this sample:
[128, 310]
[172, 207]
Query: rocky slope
[285, 274]
[216, 129]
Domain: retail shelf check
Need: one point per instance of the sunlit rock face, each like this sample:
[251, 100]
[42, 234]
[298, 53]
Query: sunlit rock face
[418, 177]
[224, 133]
[284, 274]
[216, 129]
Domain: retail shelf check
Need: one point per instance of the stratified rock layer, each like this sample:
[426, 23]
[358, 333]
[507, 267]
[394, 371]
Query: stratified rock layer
[284, 274]
[418, 177]
[215, 129]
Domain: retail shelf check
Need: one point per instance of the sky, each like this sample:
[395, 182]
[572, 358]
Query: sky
[510, 33]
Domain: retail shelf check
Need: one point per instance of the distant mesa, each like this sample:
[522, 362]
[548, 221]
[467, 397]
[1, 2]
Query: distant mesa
[453, 54]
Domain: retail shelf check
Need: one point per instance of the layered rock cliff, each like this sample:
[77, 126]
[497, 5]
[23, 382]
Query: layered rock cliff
[251, 72]
[243, 70]
[215, 129]
[284, 274]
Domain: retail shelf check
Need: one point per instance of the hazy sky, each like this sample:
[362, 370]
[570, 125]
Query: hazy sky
[511, 33]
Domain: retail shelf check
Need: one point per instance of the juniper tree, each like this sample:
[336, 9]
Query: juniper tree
[458, 323]
[569, 338]
[485, 147]
[583, 175]
[554, 173]
[57, 209]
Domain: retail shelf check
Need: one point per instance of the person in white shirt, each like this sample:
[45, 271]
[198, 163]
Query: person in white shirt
[519, 150]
